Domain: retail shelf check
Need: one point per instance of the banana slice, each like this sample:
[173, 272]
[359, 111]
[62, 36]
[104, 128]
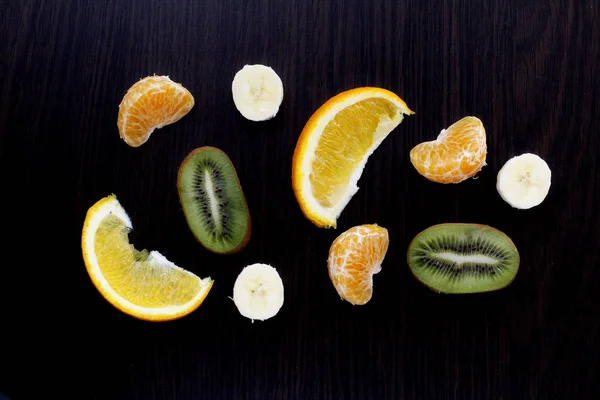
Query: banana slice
[524, 181]
[257, 92]
[258, 292]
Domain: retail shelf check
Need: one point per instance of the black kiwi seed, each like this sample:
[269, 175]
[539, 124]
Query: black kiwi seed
[213, 201]
[463, 258]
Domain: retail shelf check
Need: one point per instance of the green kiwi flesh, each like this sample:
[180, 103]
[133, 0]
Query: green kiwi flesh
[213, 201]
[459, 258]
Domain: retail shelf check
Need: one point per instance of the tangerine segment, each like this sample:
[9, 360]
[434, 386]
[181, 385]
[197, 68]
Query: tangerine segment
[354, 257]
[142, 284]
[151, 103]
[458, 153]
[334, 147]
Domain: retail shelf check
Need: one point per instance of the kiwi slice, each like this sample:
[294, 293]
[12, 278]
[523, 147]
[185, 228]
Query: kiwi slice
[463, 258]
[213, 201]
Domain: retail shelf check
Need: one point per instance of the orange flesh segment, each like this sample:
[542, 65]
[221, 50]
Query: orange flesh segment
[338, 153]
[144, 284]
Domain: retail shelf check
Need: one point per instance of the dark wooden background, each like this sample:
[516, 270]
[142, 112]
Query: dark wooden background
[528, 69]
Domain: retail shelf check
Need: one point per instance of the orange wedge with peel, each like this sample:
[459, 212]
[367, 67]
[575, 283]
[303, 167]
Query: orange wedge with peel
[334, 147]
[142, 284]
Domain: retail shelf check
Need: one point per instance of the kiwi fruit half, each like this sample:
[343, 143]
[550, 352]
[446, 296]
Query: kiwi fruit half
[459, 258]
[213, 201]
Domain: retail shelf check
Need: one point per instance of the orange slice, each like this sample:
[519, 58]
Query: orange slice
[457, 154]
[142, 284]
[354, 257]
[150, 104]
[334, 147]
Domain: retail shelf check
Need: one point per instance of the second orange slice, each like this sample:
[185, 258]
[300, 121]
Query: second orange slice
[334, 146]
[143, 284]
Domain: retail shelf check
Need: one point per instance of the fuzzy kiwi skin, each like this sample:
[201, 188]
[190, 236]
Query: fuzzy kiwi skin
[247, 235]
[456, 224]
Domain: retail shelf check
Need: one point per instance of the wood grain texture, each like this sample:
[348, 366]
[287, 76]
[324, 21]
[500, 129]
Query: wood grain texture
[528, 69]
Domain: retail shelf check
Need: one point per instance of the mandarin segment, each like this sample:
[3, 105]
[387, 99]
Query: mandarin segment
[151, 103]
[354, 257]
[458, 153]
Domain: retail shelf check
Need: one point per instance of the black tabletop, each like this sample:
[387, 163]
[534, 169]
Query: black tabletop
[528, 69]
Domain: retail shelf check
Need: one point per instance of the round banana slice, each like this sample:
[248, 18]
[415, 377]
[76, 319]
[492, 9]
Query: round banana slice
[258, 292]
[524, 181]
[257, 92]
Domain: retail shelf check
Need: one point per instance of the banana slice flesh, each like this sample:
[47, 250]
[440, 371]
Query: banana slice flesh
[257, 92]
[524, 181]
[258, 292]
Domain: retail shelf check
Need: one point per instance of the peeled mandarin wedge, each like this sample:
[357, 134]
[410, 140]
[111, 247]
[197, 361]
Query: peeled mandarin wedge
[151, 103]
[334, 147]
[457, 154]
[142, 284]
[354, 257]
